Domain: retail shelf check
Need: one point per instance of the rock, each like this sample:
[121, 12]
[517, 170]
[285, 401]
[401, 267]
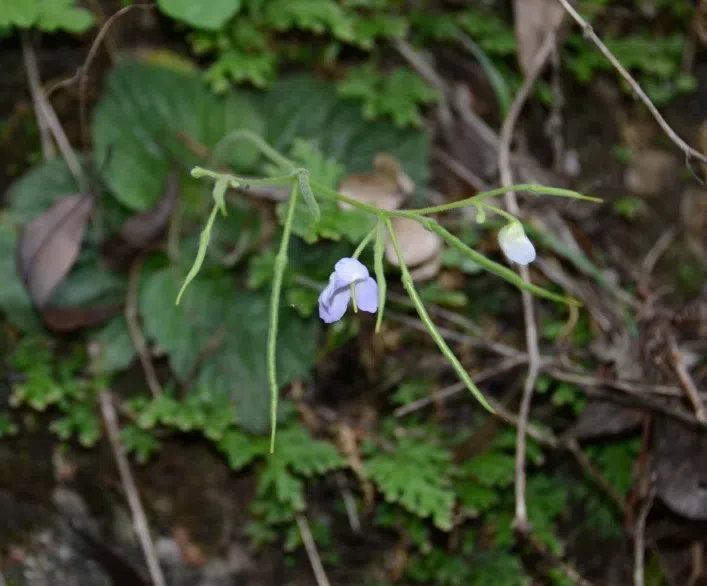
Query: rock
[421, 249]
[387, 187]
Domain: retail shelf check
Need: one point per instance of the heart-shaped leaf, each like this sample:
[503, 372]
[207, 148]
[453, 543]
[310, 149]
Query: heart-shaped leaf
[218, 335]
[152, 117]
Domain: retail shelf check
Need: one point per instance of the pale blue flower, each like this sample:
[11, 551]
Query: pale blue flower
[515, 244]
[348, 274]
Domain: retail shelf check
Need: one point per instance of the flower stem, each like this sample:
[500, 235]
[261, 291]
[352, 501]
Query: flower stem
[529, 188]
[258, 143]
[424, 316]
[362, 246]
[280, 264]
[492, 266]
[380, 272]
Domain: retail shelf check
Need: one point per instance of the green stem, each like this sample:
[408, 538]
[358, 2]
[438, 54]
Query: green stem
[492, 266]
[258, 143]
[362, 246]
[280, 264]
[199, 172]
[499, 211]
[422, 312]
[336, 196]
[380, 272]
[529, 188]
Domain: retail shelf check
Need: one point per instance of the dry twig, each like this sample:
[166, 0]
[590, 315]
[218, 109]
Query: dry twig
[312, 553]
[35, 90]
[46, 116]
[635, 86]
[445, 393]
[639, 542]
[531, 333]
[139, 518]
[686, 381]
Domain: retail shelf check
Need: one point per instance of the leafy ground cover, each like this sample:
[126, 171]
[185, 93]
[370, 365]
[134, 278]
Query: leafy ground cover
[386, 470]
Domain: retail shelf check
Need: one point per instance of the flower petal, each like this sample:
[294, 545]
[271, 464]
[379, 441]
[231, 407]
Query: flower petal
[350, 270]
[515, 244]
[334, 300]
[367, 295]
[328, 292]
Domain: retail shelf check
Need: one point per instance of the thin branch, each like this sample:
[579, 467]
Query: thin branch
[531, 331]
[427, 72]
[35, 90]
[639, 542]
[657, 250]
[312, 553]
[46, 112]
[445, 393]
[349, 503]
[638, 91]
[139, 518]
[686, 381]
[136, 336]
[467, 176]
[82, 73]
[566, 568]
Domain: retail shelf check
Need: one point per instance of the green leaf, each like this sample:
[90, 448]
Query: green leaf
[492, 468]
[416, 475]
[297, 455]
[397, 94]
[116, 349]
[204, 14]
[152, 117]
[307, 108]
[14, 300]
[140, 442]
[48, 16]
[317, 16]
[241, 449]
[7, 427]
[235, 366]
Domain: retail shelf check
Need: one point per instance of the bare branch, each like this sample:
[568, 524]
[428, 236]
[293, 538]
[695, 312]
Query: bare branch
[312, 553]
[635, 86]
[531, 330]
[139, 518]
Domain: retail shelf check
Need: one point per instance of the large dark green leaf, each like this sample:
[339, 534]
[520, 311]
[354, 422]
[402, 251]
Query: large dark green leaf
[310, 109]
[152, 117]
[233, 323]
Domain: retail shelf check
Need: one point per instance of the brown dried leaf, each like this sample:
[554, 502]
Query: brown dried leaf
[71, 319]
[534, 19]
[49, 245]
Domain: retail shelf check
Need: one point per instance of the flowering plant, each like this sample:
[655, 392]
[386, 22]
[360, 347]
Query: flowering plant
[350, 280]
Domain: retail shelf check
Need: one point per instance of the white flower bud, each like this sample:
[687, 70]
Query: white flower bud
[515, 244]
